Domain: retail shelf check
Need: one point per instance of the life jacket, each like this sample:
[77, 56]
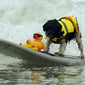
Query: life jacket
[69, 26]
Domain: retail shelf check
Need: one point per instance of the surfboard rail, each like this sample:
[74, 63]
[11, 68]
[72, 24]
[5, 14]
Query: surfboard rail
[36, 58]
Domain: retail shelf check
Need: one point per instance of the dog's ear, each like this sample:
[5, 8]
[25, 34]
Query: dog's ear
[58, 26]
[52, 24]
[47, 25]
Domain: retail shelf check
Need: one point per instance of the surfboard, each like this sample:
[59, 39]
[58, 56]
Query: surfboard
[36, 58]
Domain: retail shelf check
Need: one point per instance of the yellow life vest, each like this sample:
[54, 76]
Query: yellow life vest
[69, 25]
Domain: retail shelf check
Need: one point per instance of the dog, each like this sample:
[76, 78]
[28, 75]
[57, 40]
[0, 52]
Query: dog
[61, 32]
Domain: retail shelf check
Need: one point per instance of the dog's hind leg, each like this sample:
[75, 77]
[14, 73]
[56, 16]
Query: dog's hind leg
[80, 45]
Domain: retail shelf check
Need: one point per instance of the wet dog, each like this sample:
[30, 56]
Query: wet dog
[61, 32]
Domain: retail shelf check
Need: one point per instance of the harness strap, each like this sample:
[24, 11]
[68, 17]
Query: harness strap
[55, 39]
[65, 26]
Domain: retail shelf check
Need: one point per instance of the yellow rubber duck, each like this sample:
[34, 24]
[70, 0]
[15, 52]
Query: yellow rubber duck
[20, 44]
[34, 47]
[28, 44]
[38, 41]
[37, 44]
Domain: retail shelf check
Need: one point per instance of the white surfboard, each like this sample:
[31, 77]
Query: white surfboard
[34, 57]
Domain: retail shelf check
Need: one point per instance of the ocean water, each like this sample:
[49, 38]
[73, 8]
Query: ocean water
[19, 20]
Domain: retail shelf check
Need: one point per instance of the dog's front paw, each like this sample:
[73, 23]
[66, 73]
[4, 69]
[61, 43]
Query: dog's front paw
[60, 54]
[45, 51]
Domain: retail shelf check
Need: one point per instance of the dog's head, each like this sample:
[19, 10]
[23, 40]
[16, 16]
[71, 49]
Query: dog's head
[52, 28]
